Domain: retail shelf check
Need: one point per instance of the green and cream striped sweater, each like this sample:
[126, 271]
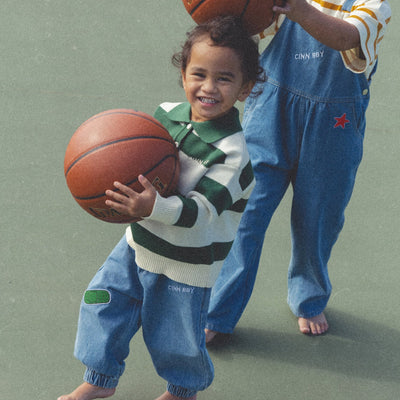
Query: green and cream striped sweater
[188, 236]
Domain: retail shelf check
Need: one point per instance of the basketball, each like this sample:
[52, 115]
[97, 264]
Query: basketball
[256, 15]
[118, 145]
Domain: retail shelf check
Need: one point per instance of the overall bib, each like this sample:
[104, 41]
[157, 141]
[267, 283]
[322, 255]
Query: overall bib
[306, 129]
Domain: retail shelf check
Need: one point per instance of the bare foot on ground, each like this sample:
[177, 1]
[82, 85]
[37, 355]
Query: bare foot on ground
[86, 391]
[169, 396]
[316, 325]
[210, 335]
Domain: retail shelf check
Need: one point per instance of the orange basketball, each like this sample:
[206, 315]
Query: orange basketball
[255, 14]
[118, 145]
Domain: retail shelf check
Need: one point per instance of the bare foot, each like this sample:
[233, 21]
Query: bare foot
[169, 396]
[210, 335]
[316, 325]
[86, 391]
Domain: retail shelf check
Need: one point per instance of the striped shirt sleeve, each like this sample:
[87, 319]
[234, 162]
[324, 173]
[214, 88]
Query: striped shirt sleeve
[371, 19]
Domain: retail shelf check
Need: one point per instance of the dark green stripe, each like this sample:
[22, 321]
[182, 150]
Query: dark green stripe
[189, 213]
[192, 255]
[191, 144]
[205, 153]
[247, 176]
[162, 116]
[239, 206]
[216, 194]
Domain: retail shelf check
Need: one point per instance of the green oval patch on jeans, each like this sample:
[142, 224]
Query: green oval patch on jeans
[97, 297]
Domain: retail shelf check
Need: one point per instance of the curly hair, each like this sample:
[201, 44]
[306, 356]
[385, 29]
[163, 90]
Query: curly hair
[225, 31]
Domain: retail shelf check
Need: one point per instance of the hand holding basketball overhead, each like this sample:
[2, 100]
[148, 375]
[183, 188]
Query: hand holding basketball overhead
[256, 15]
[131, 203]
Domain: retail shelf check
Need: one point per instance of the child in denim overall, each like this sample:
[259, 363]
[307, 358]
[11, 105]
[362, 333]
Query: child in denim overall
[306, 129]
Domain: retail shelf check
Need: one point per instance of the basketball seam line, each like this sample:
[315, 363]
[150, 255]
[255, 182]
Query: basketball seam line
[134, 180]
[114, 142]
[195, 8]
[201, 2]
[133, 112]
[245, 8]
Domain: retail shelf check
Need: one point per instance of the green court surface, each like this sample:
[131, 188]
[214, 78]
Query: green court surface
[62, 62]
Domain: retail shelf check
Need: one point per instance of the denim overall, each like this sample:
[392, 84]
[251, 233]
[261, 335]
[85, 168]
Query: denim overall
[306, 129]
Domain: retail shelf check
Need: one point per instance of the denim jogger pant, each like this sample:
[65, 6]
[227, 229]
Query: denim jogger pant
[120, 299]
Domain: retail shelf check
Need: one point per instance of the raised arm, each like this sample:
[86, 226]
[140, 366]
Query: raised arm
[332, 32]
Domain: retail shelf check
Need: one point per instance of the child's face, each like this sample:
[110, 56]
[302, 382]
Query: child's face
[213, 81]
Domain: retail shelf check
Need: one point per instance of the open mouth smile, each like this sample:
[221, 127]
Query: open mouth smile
[208, 100]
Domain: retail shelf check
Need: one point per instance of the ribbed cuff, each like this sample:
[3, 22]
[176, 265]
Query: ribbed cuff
[165, 209]
[96, 379]
[180, 391]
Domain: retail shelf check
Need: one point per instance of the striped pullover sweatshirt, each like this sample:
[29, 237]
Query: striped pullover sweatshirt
[370, 17]
[188, 235]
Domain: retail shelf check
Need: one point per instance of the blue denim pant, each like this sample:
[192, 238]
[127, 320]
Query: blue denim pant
[120, 299]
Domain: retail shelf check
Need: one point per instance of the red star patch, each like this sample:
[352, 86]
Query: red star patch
[341, 121]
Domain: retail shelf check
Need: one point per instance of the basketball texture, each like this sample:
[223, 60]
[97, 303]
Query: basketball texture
[118, 145]
[256, 15]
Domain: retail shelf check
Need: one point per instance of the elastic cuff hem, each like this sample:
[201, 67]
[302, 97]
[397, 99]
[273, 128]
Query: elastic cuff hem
[180, 391]
[96, 379]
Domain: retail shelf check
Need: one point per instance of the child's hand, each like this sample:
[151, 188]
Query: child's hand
[128, 202]
[293, 9]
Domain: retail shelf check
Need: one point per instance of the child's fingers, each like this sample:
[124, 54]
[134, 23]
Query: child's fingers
[115, 205]
[145, 183]
[115, 196]
[124, 189]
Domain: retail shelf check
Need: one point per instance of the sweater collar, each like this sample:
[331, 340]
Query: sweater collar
[209, 131]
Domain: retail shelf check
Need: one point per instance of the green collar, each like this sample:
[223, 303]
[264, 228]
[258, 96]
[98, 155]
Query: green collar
[209, 131]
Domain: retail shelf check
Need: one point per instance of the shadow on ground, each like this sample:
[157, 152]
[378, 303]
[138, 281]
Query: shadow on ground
[353, 347]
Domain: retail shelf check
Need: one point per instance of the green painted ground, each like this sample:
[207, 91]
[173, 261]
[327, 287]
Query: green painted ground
[63, 61]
